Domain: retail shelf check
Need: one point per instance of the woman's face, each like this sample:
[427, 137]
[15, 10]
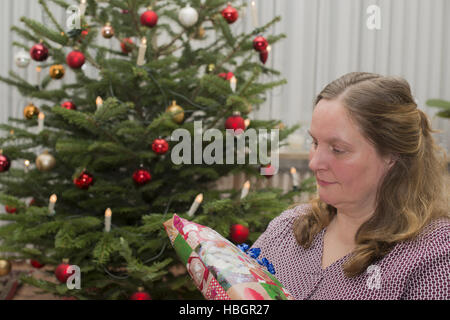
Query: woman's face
[348, 161]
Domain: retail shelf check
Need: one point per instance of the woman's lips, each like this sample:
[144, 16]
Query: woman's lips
[324, 183]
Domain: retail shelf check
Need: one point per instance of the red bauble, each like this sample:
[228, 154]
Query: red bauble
[235, 122]
[36, 264]
[226, 76]
[160, 146]
[260, 43]
[84, 181]
[141, 177]
[269, 171]
[238, 233]
[61, 272]
[126, 45]
[75, 59]
[69, 105]
[39, 52]
[230, 14]
[263, 55]
[140, 295]
[5, 163]
[149, 18]
[10, 209]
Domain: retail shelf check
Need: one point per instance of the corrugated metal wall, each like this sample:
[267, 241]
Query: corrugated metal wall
[325, 39]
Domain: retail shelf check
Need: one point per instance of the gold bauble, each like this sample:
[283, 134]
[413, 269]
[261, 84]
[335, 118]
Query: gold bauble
[177, 112]
[30, 111]
[200, 33]
[57, 71]
[5, 267]
[45, 162]
[210, 68]
[108, 31]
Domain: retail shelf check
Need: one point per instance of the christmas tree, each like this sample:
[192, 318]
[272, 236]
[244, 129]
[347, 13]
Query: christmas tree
[104, 180]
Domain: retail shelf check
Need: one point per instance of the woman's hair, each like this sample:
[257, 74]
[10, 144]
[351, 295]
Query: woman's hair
[415, 189]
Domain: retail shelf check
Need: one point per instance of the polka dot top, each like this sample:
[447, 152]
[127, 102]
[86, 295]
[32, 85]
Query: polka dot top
[414, 269]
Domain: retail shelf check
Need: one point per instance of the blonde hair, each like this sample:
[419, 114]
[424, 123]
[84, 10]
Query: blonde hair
[415, 189]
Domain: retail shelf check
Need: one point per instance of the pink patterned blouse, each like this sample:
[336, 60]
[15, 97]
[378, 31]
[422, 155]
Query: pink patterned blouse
[415, 269]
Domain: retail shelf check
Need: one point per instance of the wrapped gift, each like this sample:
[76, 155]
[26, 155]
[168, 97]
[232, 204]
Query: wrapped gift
[221, 270]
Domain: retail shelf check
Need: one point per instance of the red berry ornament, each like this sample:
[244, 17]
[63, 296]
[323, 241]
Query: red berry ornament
[235, 122]
[263, 55]
[226, 76]
[126, 45]
[238, 233]
[36, 264]
[61, 272]
[10, 209]
[39, 52]
[69, 105]
[140, 295]
[160, 146]
[5, 163]
[84, 181]
[149, 18]
[75, 59]
[230, 14]
[141, 177]
[260, 43]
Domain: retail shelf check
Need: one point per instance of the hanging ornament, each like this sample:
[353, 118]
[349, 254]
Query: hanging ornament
[269, 171]
[238, 233]
[30, 111]
[39, 52]
[5, 163]
[230, 14]
[69, 105]
[227, 76]
[108, 31]
[260, 43]
[127, 45]
[140, 295]
[235, 122]
[57, 71]
[141, 177]
[84, 33]
[188, 16]
[11, 210]
[22, 59]
[176, 111]
[5, 267]
[61, 271]
[263, 55]
[149, 18]
[210, 68]
[45, 162]
[36, 264]
[75, 59]
[84, 181]
[160, 146]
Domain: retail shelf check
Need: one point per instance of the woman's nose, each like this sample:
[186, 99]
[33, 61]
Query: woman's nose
[317, 159]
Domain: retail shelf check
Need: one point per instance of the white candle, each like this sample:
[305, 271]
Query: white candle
[82, 7]
[41, 118]
[51, 206]
[99, 102]
[108, 214]
[141, 53]
[195, 204]
[294, 177]
[27, 164]
[254, 15]
[38, 75]
[247, 123]
[233, 83]
[245, 189]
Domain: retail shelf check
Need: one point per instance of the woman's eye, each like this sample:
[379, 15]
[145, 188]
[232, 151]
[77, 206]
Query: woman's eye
[334, 150]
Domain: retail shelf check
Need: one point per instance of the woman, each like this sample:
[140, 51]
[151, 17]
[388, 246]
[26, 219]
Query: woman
[379, 227]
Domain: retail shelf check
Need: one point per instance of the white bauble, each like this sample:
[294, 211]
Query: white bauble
[188, 16]
[22, 59]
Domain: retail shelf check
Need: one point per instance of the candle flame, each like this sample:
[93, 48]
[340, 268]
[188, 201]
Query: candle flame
[293, 170]
[144, 40]
[247, 122]
[41, 115]
[99, 101]
[199, 198]
[247, 184]
[27, 163]
[108, 212]
[53, 198]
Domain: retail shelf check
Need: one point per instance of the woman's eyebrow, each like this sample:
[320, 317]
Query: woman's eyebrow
[331, 140]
